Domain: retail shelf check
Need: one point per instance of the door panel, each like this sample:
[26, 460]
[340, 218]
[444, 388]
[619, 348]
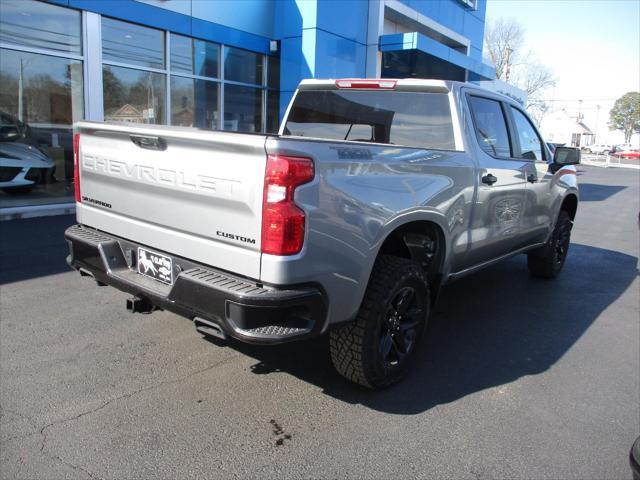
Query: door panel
[536, 220]
[496, 226]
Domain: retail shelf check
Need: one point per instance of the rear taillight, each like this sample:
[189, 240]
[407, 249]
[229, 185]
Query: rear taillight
[282, 220]
[76, 165]
[369, 84]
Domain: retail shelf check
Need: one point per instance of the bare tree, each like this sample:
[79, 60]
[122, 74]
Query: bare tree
[503, 41]
[504, 47]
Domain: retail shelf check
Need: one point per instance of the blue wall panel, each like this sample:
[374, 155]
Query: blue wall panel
[137, 12]
[473, 30]
[346, 18]
[293, 64]
[338, 57]
[251, 16]
[292, 16]
[228, 36]
[452, 14]
[132, 11]
[288, 19]
[59, 2]
[180, 6]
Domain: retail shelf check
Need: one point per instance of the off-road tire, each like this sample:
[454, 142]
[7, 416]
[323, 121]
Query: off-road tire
[547, 261]
[356, 348]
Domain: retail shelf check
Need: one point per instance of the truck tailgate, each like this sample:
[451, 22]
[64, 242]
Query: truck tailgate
[190, 193]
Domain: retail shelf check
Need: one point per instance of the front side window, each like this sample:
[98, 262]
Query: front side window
[415, 119]
[491, 126]
[530, 143]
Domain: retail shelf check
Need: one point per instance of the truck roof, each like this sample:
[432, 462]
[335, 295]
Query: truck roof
[401, 84]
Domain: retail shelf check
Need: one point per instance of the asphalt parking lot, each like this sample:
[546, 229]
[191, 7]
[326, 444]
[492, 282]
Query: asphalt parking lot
[519, 378]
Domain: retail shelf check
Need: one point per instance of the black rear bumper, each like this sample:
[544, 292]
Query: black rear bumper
[241, 307]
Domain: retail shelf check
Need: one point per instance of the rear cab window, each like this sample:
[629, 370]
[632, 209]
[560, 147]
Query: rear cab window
[412, 119]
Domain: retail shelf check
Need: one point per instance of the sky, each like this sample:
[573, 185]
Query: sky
[591, 46]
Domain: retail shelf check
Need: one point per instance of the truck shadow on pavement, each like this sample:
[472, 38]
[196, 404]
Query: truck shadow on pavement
[488, 329]
[43, 238]
[595, 192]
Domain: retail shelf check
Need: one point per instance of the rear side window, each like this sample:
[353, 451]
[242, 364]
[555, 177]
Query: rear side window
[491, 126]
[530, 143]
[415, 119]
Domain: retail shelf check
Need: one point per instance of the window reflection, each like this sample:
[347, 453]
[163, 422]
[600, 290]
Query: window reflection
[242, 109]
[131, 95]
[242, 66]
[40, 98]
[194, 103]
[40, 25]
[128, 43]
[194, 56]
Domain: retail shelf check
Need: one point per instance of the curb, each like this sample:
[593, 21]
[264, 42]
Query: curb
[16, 213]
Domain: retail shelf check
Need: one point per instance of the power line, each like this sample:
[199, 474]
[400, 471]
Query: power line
[586, 99]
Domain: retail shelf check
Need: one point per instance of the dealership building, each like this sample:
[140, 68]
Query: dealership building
[215, 64]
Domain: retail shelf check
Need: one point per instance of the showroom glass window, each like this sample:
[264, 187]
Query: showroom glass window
[244, 99]
[41, 96]
[132, 75]
[195, 82]
[273, 94]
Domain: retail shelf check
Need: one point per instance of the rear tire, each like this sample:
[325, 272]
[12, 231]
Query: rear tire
[547, 261]
[377, 349]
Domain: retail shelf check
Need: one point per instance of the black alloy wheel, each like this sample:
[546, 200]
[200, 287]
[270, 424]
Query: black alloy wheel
[377, 349]
[398, 332]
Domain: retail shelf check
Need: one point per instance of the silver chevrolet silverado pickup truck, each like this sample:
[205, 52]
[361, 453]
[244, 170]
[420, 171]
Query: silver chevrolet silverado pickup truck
[374, 194]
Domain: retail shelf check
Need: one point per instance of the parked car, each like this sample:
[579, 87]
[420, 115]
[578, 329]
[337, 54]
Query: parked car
[627, 154]
[623, 148]
[22, 163]
[599, 148]
[274, 238]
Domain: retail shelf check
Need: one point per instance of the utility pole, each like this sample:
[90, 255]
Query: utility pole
[579, 111]
[508, 51]
[21, 92]
[597, 117]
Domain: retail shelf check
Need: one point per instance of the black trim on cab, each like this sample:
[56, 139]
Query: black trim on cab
[243, 308]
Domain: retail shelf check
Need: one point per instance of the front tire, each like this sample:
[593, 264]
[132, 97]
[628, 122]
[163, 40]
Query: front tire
[377, 349]
[547, 261]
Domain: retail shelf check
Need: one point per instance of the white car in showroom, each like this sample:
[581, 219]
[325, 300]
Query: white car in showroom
[22, 163]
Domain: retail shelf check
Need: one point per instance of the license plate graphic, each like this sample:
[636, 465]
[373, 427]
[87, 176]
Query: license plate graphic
[155, 265]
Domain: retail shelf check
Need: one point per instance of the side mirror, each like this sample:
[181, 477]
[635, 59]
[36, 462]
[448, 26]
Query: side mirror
[566, 156]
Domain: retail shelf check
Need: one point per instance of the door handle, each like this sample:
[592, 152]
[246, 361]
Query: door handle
[489, 179]
[532, 178]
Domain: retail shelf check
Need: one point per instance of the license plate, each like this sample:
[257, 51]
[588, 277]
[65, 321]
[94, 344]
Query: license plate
[155, 265]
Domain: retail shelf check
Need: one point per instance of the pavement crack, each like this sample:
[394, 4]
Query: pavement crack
[43, 430]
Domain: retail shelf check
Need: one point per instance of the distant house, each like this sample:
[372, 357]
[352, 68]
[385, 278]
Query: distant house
[126, 113]
[183, 117]
[561, 127]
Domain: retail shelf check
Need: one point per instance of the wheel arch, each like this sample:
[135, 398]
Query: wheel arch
[423, 241]
[570, 205]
